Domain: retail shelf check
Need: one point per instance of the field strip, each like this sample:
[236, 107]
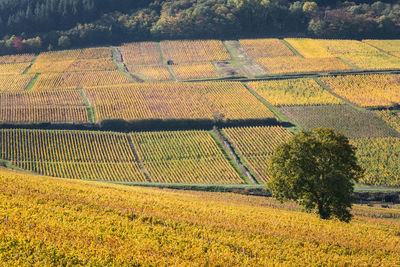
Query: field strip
[233, 156]
[29, 67]
[32, 82]
[338, 96]
[291, 48]
[89, 107]
[383, 51]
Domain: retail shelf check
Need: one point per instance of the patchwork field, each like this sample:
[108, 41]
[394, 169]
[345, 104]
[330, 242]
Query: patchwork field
[293, 92]
[190, 157]
[35, 107]
[210, 100]
[55, 81]
[287, 65]
[72, 154]
[256, 48]
[152, 86]
[379, 90]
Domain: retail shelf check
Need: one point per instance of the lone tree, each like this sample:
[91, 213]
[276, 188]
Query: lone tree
[317, 169]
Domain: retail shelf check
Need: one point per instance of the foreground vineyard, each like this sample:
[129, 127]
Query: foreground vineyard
[101, 224]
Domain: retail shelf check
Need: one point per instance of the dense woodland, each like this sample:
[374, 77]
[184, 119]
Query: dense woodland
[39, 25]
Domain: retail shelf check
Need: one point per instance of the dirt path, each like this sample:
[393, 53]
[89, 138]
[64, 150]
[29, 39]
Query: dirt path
[248, 66]
[140, 163]
[234, 156]
[120, 61]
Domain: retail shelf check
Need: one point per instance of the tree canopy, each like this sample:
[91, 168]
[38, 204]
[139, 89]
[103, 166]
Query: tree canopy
[317, 169]
[94, 22]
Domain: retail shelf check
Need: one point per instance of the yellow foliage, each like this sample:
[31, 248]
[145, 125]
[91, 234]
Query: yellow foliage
[191, 157]
[194, 51]
[343, 47]
[201, 100]
[195, 71]
[43, 113]
[152, 73]
[256, 145]
[144, 53]
[374, 90]
[308, 48]
[73, 60]
[29, 106]
[52, 81]
[52, 221]
[378, 61]
[256, 48]
[17, 68]
[14, 83]
[294, 92]
[281, 65]
[72, 154]
[386, 45]
[380, 158]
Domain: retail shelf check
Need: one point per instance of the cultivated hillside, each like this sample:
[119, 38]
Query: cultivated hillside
[47, 221]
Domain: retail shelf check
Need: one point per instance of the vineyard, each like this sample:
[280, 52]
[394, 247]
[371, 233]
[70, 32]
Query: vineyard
[257, 48]
[290, 83]
[194, 51]
[378, 90]
[14, 83]
[76, 155]
[209, 100]
[195, 71]
[294, 92]
[35, 107]
[152, 73]
[308, 48]
[380, 158]
[103, 224]
[189, 157]
[283, 65]
[51, 81]
[256, 145]
[353, 123]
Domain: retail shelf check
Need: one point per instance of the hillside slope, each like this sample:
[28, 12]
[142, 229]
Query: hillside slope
[48, 221]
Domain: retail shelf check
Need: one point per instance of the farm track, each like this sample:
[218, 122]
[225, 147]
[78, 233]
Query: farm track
[140, 163]
[238, 53]
[120, 61]
[231, 152]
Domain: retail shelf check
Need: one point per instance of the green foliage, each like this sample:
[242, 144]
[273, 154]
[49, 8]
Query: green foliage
[64, 42]
[353, 123]
[317, 169]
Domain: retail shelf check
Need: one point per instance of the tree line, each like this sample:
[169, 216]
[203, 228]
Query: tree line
[38, 25]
